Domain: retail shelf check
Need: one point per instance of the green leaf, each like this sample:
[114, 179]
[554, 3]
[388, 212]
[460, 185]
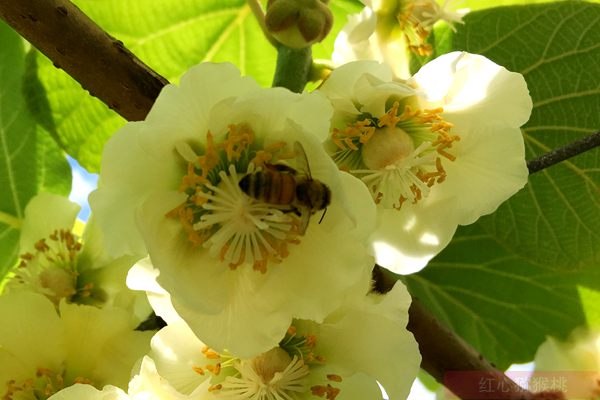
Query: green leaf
[170, 36]
[502, 304]
[30, 161]
[516, 276]
[475, 5]
[555, 219]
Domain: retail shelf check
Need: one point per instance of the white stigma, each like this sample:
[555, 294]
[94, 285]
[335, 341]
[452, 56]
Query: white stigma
[247, 228]
[393, 167]
[270, 376]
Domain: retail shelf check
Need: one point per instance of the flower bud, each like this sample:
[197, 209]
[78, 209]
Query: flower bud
[298, 23]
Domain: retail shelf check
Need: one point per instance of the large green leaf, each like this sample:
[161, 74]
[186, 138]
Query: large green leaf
[521, 273]
[170, 36]
[555, 219]
[30, 160]
[502, 304]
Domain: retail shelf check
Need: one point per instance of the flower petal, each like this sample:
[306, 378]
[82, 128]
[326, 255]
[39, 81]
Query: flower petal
[379, 346]
[31, 334]
[44, 214]
[150, 385]
[490, 167]
[469, 83]
[101, 343]
[88, 392]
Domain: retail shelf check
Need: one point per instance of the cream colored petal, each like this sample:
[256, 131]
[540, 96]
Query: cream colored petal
[184, 110]
[352, 43]
[354, 385]
[44, 214]
[469, 83]
[342, 81]
[88, 392]
[374, 94]
[128, 173]
[31, 331]
[142, 276]
[245, 327]
[150, 385]
[177, 354]
[490, 167]
[101, 343]
[372, 338]
[310, 112]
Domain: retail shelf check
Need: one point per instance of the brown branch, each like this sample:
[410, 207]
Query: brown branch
[563, 153]
[100, 63]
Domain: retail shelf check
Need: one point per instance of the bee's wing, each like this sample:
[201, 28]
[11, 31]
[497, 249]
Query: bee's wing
[301, 159]
[304, 219]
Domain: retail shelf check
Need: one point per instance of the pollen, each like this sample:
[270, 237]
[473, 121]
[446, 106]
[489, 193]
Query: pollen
[391, 118]
[328, 392]
[357, 133]
[210, 354]
[238, 139]
[198, 370]
[52, 269]
[214, 388]
[334, 378]
[214, 369]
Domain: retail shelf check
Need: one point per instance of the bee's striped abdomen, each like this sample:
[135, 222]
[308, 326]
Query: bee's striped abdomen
[270, 186]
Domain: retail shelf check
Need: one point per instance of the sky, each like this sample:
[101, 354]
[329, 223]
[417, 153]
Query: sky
[83, 184]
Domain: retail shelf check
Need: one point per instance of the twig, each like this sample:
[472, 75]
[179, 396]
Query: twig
[259, 14]
[100, 63]
[293, 68]
[563, 153]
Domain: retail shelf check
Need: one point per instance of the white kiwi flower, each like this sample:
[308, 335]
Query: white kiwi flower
[60, 261]
[170, 186]
[390, 30]
[43, 350]
[363, 342]
[573, 366]
[436, 152]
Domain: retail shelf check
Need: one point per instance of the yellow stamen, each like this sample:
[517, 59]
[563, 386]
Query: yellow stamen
[215, 369]
[363, 130]
[269, 154]
[210, 354]
[41, 245]
[198, 370]
[311, 340]
[214, 388]
[329, 392]
[390, 119]
[237, 141]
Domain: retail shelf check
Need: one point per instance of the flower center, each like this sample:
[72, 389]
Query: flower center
[239, 227]
[280, 373]
[52, 269]
[387, 146]
[45, 383]
[398, 157]
[416, 20]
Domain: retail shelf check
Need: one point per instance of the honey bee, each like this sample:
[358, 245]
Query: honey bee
[283, 185]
